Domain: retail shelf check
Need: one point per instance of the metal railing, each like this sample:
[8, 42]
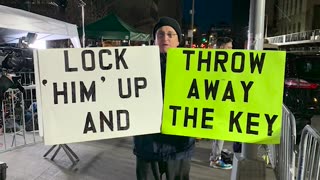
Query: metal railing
[282, 156]
[19, 125]
[309, 155]
[27, 78]
[313, 35]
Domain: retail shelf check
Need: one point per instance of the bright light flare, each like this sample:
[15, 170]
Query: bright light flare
[39, 45]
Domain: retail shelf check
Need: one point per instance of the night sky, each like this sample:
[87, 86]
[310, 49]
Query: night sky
[208, 12]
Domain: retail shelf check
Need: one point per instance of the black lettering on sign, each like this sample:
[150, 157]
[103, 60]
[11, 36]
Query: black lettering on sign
[174, 113]
[234, 120]
[139, 83]
[67, 67]
[233, 62]
[188, 53]
[85, 67]
[270, 123]
[73, 93]
[102, 66]
[91, 93]
[246, 88]
[250, 123]
[105, 120]
[63, 92]
[190, 116]
[203, 60]
[210, 89]
[121, 94]
[205, 118]
[228, 93]
[119, 58]
[193, 91]
[221, 57]
[257, 62]
[88, 93]
[121, 126]
[89, 126]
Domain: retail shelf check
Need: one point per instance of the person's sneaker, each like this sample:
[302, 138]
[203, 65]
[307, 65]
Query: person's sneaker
[219, 164]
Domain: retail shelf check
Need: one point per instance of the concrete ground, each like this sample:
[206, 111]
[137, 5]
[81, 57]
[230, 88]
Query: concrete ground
[99, 160]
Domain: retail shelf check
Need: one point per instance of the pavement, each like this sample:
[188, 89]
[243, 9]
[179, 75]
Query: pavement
[99, 160]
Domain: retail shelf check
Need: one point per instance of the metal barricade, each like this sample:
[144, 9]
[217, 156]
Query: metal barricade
[27, 78]
[19, 125]
[309, 154]
[283, 156]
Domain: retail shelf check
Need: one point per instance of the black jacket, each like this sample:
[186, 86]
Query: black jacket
[160, 147]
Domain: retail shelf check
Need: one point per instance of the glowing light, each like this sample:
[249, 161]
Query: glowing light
[315, 100]
[39, 45]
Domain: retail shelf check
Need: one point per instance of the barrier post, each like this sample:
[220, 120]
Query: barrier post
[248, 165]
[309, 158]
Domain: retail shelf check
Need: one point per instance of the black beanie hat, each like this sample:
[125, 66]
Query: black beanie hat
[167, 21]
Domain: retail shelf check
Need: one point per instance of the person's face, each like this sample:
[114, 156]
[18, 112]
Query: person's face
[166, 37]
[227, 46]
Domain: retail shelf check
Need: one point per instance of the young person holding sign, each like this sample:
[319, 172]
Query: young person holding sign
[217, 145]
[159, 154]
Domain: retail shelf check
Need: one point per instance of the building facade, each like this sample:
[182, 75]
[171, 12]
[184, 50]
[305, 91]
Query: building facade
[297, 15]
[296, 25]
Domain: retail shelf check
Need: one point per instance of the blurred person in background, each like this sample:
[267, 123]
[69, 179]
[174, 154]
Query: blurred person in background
[216, 160]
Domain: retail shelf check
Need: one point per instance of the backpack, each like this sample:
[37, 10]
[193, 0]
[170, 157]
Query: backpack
[227, 156]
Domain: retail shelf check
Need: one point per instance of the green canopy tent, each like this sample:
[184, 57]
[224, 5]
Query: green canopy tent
[111, 27]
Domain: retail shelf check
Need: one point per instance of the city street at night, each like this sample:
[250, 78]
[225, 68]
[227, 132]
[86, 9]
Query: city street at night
[159, 90]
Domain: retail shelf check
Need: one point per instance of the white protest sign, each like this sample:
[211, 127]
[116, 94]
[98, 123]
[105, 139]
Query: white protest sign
[38, 95]
[99, 93]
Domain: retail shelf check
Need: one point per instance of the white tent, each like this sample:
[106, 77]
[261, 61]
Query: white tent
[16, 23]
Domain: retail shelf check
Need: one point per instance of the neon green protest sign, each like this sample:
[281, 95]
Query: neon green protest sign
[233, 95]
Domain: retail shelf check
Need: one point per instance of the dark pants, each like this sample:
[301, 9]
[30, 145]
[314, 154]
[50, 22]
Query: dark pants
[155, 170]
[237, 146]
